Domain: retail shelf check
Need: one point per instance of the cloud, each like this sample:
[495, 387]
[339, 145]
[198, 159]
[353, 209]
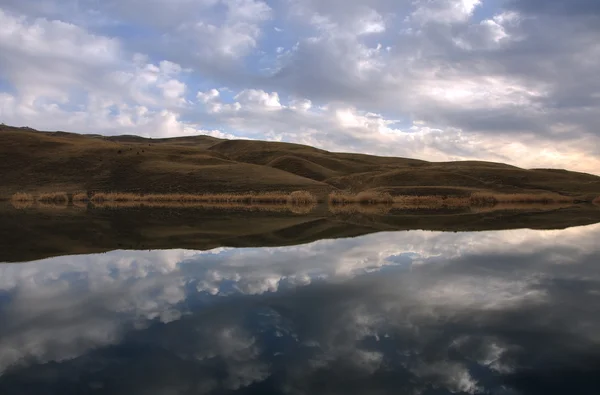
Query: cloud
[445, 11]
[256, 114]
[438, 80]
[66, 78]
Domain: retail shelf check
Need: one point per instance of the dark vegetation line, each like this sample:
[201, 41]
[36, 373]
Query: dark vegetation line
[337, 200]
[266, 200]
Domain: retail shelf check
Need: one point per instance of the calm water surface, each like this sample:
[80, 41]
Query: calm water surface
[507, 312]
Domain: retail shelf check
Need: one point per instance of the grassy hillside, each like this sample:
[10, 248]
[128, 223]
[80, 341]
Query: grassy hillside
[32, 161]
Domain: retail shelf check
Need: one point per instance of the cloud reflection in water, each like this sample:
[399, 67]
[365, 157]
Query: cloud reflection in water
[505, 312]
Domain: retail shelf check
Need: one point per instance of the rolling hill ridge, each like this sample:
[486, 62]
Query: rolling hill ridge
[34, 161]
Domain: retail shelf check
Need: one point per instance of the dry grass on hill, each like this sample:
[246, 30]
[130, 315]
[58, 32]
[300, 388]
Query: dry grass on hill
[45, 161]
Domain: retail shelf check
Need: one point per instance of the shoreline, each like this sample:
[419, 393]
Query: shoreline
[338, 201]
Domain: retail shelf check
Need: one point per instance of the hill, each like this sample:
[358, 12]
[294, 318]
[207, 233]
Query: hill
[34, 161]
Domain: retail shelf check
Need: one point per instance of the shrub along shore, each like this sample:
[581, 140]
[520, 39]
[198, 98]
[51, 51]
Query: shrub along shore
[155, 199]
[475, 199]
[297, 198]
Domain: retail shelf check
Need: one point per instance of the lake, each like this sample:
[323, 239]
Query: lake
[405, 312]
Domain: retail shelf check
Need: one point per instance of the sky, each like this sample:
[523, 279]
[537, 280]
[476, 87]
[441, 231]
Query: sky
[513, 81]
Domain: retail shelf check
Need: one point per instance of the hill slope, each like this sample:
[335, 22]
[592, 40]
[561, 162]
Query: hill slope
[32, 161]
